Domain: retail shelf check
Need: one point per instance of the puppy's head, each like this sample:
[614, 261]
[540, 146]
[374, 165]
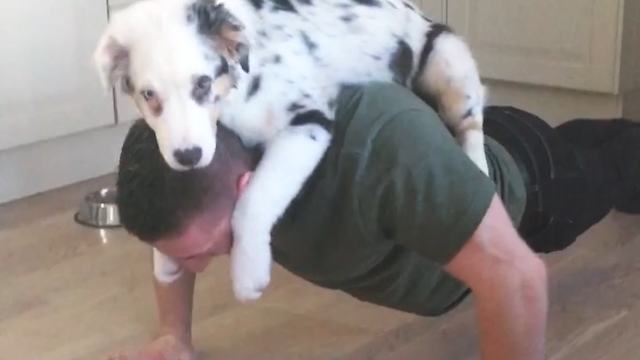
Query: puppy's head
[176, 60]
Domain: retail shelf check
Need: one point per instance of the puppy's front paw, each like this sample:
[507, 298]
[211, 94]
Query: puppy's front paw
[250, 270]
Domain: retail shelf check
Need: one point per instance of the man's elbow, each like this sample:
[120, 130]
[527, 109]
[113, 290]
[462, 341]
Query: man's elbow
[538, 269]
[488, 272]
[529, 276]
[497, 259]
[523, 280]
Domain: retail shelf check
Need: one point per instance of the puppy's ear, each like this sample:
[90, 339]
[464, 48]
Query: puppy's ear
[111, 58]
[216, 22]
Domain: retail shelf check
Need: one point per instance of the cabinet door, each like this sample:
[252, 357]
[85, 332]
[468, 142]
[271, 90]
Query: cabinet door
[567, 43]
[48, 86]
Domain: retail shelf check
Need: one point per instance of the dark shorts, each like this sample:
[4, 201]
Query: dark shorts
[564, 183]
[566, 186]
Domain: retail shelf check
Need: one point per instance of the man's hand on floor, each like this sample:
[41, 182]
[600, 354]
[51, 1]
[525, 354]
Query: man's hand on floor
[166, 347]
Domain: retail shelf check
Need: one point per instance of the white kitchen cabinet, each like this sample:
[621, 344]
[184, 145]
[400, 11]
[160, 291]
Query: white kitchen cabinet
[571, 44]
[48, 86]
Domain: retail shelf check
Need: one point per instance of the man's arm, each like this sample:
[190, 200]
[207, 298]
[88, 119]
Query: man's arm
[174, 303]
[420, 190]
[509, 283]
[175, 306]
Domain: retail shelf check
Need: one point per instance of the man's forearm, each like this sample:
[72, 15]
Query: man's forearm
[512, 317]
[509, 283]
[175, 305]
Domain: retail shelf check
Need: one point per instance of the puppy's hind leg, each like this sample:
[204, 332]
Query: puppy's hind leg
[448, 73]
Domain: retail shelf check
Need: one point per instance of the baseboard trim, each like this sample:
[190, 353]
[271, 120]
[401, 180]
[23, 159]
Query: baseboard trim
[47, 165]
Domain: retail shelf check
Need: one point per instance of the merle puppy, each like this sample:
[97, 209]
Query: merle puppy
[271, 70]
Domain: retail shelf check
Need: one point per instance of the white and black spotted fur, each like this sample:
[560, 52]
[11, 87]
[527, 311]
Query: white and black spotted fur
[182, 62]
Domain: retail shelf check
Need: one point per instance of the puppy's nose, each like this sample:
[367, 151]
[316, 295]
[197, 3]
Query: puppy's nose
[188, 157]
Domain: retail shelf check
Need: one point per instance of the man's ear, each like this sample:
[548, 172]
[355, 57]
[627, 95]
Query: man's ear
[226, 31]
[243, 180]
[111, 58]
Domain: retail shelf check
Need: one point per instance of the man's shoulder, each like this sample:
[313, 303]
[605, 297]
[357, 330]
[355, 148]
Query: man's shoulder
[363, 111]
[381, 96]
[372, 87]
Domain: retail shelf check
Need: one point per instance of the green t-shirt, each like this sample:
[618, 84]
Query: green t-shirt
[393, 200]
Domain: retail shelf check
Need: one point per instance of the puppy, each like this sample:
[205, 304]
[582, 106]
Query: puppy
[286, 60]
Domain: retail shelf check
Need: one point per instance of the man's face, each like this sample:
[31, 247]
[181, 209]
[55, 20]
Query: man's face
[206, 236]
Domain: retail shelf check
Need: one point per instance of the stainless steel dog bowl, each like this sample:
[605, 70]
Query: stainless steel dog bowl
[98, 209]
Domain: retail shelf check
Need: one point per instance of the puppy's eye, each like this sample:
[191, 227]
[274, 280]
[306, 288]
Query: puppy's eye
[203, 83]
[148, 95]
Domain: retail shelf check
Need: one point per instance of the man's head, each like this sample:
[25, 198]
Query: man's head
[184, 214]
[177, 60]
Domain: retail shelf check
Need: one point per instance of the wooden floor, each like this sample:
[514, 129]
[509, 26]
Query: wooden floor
[71, 293]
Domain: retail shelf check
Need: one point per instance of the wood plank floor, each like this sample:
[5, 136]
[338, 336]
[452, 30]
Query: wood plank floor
[75, 293]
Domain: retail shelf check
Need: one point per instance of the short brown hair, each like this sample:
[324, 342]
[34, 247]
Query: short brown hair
[155, 201]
